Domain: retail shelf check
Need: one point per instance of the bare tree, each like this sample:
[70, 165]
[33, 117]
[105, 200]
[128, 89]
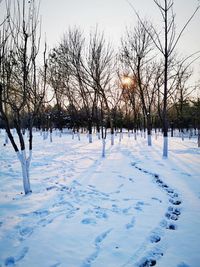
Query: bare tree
[137, 51]
[166, 44]
[20, 93]
[100, 70]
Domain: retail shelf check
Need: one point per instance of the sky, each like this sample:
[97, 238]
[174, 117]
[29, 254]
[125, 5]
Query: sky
[113, 16]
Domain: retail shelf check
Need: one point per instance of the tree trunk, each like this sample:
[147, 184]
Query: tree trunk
[6, 139]
[112, 139]
[165, 134]
[135, 134]
[111, 130]
[149, 130]
[90, 130]
[25, 164]
[98, 131]
[78, 135]
[51, 138]
[103, 147]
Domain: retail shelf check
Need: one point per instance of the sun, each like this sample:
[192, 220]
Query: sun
[127, 81]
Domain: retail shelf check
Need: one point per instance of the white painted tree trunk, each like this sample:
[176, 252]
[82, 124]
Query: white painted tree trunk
[182, 136]
[90, 138]
[79, 137]
[25, 164]
[144, 134]
[60, 133]
[103, 147]
[44, 135]
[190, 134]
[120, 137]
[73, 135]
[149, 140]
[135, 136]
[51, 138]
[129, 134]
[6, 139]
[99, 135]
[112, 139]
[165, 146]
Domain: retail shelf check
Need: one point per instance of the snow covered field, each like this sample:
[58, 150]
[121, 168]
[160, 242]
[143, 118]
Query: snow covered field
[132, 208]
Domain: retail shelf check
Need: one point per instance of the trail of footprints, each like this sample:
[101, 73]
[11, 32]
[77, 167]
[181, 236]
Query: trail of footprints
[98, 240]
[171, 216]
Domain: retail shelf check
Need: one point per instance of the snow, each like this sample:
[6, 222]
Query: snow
[131, 208]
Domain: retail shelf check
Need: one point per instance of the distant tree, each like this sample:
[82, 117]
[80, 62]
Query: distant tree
[196, 117]
[137, 54]
[100, 71]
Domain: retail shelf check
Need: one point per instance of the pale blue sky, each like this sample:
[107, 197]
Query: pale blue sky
[112, 16]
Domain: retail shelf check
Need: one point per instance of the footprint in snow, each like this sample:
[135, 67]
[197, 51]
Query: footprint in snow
[88, 261]
[173, 214]
[88, 221]
[131, 224]
[91, 186]
[175, 202]
[155, 238]
[126, 210]
[121, 185]
[101, 214]
[11, 261]
[25, 232]
[157, 199]
[121, 176]
[41, 213]
[168, 225]
[133, 164]
[56, 264]
[51, 187]
[101, 237]
[186, 174]
[151, 259]
[138, 205]
[45, 222]
[147, 262]
[127, 199]
[182, 264]
[138, 208]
